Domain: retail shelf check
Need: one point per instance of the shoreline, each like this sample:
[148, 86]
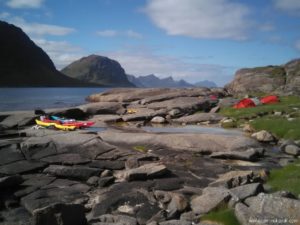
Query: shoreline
[131, 176]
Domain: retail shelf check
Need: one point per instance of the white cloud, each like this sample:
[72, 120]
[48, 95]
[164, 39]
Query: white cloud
[275, 39]
[267, 27]
[40, 28]
[116, 33]
[61, 52]
[143, 62]
[133, 34]
[219, 19]
[56, 46]
[107, 33]
[292, 6]
[4, 15]
[297, 45]
[43, 29]
[25, 3]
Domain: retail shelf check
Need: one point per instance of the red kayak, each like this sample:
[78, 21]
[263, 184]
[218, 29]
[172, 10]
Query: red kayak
[77, 124]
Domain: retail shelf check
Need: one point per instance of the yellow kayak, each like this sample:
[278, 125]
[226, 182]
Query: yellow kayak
[57, 126]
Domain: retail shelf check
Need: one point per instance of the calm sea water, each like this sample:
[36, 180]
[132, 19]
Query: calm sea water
[12, 99]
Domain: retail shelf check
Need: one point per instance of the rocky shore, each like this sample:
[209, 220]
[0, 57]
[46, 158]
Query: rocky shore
[123, 175]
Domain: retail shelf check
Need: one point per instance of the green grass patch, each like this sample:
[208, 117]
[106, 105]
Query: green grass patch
[121, 124]
[224, 216]
[286, 105]
[280, 127]
[228, 125]
[286, 178]
[263, 118]
[140, 148]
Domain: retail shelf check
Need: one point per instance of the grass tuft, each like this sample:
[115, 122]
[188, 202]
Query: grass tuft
[286, 178]
[280, 127]
[222, 216]
[140, 148]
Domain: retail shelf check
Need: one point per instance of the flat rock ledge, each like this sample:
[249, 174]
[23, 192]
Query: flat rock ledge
[206, 143]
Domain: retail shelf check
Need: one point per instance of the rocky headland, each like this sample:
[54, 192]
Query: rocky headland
[283, 80]
[122, 174]
[24, 64]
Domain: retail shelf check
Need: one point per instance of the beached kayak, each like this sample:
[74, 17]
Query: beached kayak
[55, 125]
[67, 122]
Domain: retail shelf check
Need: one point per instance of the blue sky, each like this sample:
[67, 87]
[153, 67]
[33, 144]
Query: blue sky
[188, 39]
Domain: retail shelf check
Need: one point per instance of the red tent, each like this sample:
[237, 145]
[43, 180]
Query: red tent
[271, 99]
[244, 103]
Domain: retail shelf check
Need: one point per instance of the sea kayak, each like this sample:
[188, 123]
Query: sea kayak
[55, 125]
[69, 122]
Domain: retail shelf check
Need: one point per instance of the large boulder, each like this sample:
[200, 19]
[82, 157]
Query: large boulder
[263, 136]
[242, 192]
[60, 214]
[187, 104]
[278, 206]
[143, 114]
[21, 167]
[147, 171]
[66, 159]
[58, 191]
[87, 145]
[114, 219]
[247, 216]
[233, 179]
[248, 155]
[101, 120]
[32, 183]
[268, 208]
[72, 172]
[158, 119]
[108, 164]
[128, 198]
[103, 108]
[200, 117]
[10, 181]
[292, 149]
[210, 200]
[9, 154]
[18, 119]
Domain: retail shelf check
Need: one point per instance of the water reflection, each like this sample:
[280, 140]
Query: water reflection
[192, 129]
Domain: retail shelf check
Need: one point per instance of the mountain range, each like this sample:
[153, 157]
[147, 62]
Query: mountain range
[154, 81]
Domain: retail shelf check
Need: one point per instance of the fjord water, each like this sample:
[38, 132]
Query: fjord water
[12, 99]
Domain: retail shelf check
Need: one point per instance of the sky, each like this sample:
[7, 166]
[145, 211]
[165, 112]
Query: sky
[193, 40]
